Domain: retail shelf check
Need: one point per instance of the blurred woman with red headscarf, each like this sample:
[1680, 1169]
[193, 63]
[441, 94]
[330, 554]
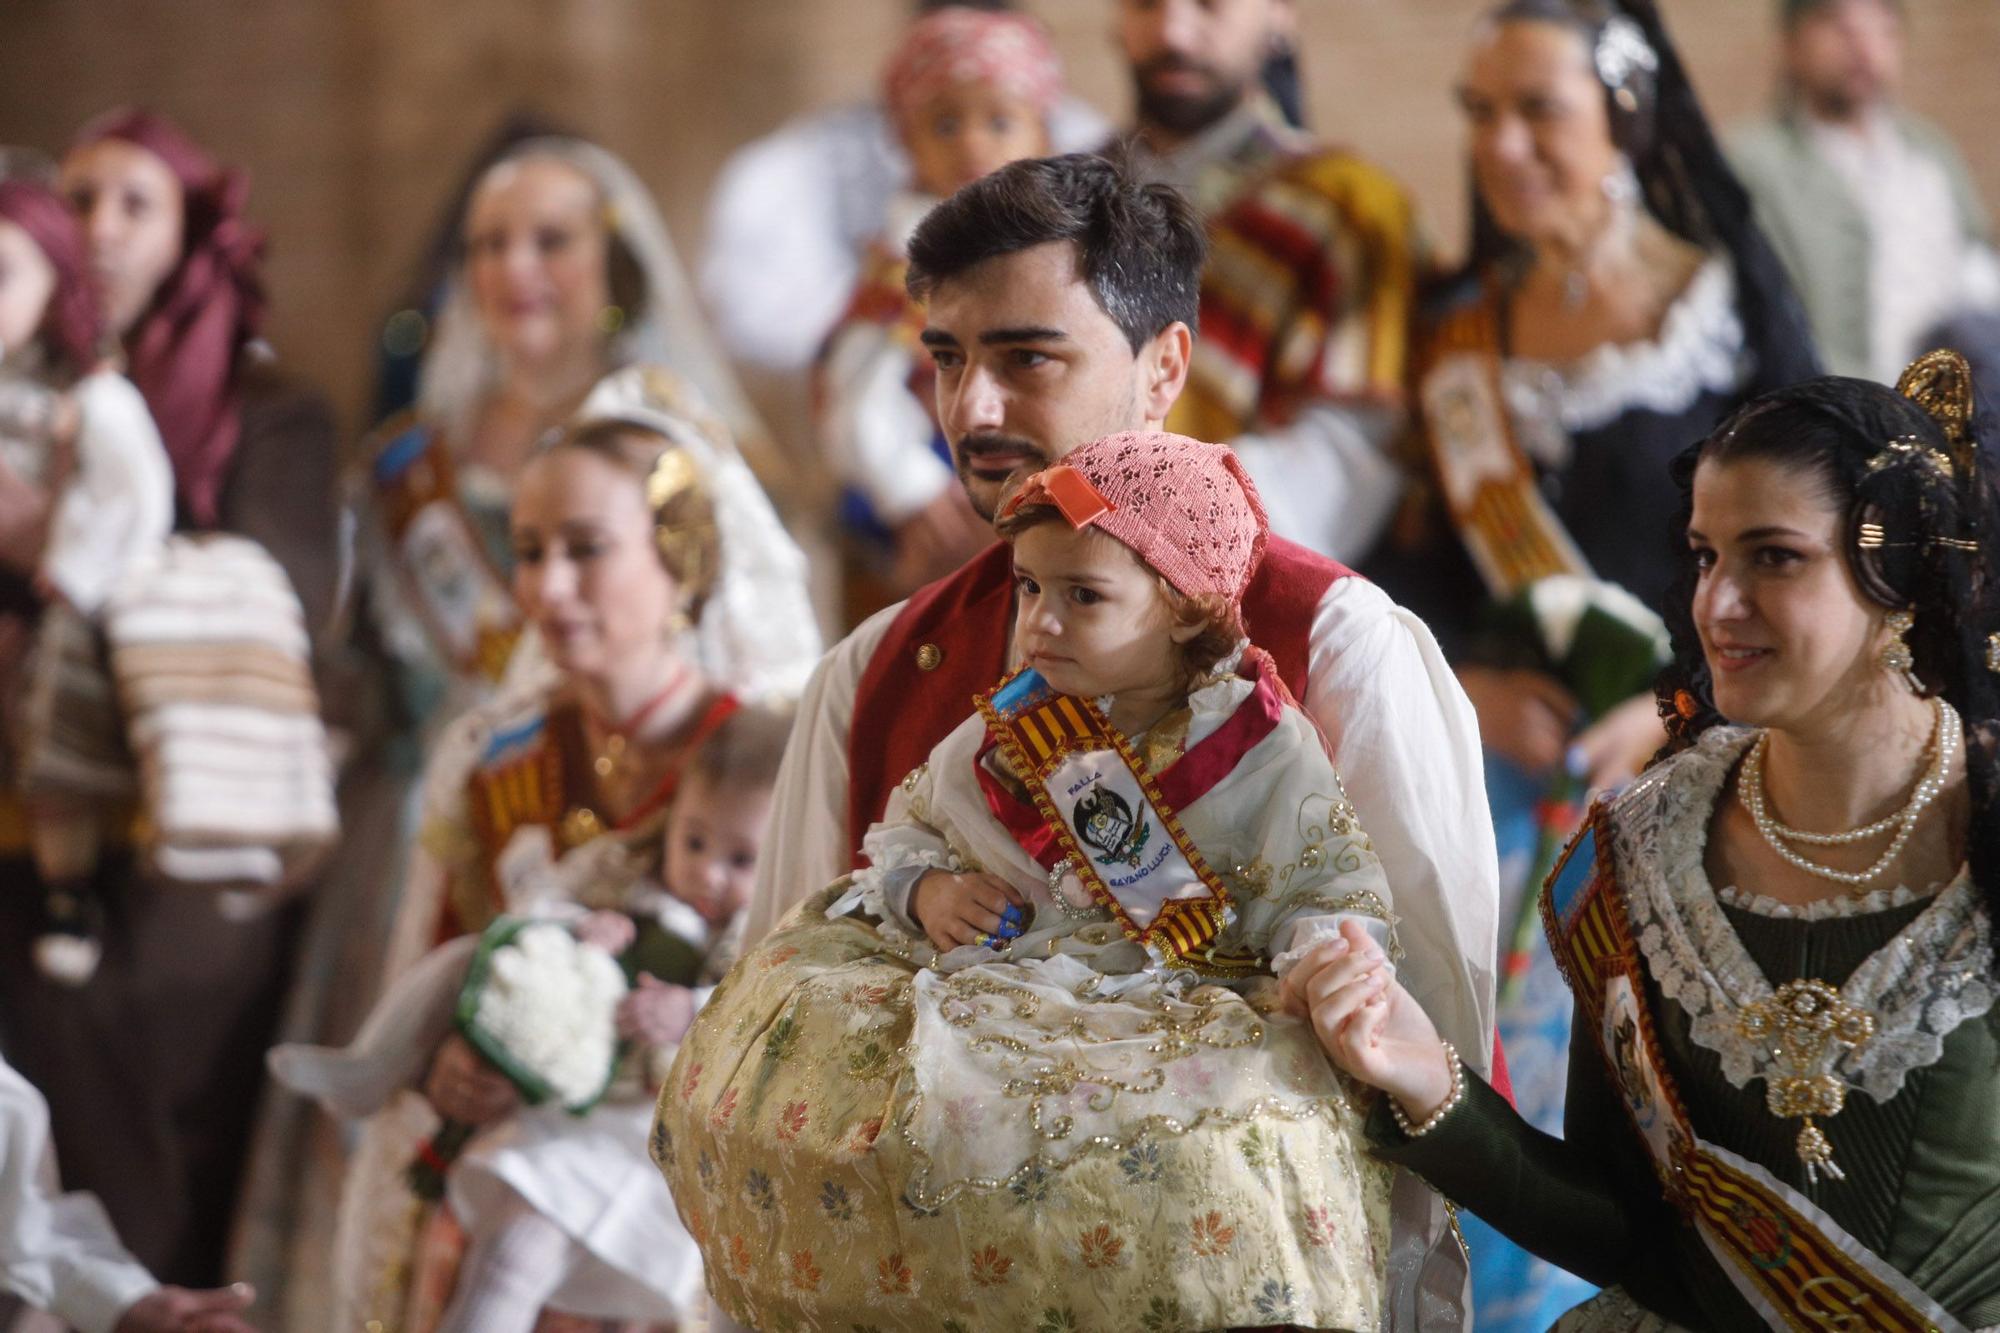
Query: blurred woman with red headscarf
[179, 269]
[153, 1070]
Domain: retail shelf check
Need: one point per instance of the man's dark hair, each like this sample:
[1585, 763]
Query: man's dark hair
[1140, 247]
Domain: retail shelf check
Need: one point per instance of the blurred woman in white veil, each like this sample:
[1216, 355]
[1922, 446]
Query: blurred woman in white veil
[566, 273]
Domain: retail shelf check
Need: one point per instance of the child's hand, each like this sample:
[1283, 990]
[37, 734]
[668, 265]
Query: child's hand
[612, 932]
[654, 1013]
[464, 1087]
[1370, 1025]
[962, 909]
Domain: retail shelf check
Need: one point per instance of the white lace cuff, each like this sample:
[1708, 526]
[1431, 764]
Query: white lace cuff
[883, 889]
[1297, 937]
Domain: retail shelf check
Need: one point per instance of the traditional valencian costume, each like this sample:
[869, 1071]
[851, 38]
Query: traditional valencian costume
[1306, 303]
[514, 823]
[1103, 1122]
[1780, 1117]
[439, 544]
[1538, 472]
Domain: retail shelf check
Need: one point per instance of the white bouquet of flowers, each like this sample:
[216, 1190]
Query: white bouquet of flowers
[541, 1005]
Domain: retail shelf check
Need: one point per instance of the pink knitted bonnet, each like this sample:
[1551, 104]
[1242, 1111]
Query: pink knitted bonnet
[1188, 509]
[959, 44]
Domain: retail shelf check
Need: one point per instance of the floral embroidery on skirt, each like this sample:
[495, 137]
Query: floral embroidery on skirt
[1165, 1157]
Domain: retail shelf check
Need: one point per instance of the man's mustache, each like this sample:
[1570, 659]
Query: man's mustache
[1172, 63]
[981, 446]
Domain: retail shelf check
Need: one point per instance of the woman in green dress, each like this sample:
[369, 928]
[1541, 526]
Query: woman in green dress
[1782, 1107]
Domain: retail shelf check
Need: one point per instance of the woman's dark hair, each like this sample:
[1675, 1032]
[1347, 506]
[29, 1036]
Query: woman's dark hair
[685, 535]
[1140, 247]
[1685, 181]
[1920, 516]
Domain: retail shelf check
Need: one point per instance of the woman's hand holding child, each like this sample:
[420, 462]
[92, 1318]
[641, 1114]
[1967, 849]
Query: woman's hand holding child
[1370, 1026]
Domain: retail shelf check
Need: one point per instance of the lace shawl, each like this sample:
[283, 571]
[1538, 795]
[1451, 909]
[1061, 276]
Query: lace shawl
[1934, 975]
[1699, 349]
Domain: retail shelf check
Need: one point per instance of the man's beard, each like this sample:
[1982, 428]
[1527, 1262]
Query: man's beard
[1185, 114]
[1843, 98]
[970, 449]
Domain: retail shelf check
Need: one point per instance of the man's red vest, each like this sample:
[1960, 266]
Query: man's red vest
[950, 642]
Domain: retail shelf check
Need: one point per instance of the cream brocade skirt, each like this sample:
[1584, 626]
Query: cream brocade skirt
[856, 1141]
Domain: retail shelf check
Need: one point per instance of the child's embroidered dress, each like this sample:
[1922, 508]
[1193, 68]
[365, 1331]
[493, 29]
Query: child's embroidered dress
[1103, 1124]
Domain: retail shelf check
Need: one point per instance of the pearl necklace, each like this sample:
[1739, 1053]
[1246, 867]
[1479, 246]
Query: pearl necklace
[1750, 790]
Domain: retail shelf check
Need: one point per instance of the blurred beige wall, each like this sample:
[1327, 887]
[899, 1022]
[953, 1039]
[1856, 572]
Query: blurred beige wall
[356, 116]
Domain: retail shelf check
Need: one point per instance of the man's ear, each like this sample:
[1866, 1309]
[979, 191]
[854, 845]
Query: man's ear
[1163, 368]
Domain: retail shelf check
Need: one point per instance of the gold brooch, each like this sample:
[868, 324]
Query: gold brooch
[930, 657]
[1806, 1026]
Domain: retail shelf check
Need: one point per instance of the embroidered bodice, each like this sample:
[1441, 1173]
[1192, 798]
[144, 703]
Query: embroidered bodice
[1917, 1137]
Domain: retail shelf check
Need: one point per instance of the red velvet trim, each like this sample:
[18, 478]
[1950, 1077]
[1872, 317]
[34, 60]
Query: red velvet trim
[902, 711]
[1281, 601]
[1216, 756]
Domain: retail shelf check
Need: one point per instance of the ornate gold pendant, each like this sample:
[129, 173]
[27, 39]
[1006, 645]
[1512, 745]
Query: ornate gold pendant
[1806, 1026]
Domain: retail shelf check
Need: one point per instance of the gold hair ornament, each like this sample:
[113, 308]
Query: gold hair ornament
[1874, 537]
[1940, 382]
[1905, 447]
[673, 475]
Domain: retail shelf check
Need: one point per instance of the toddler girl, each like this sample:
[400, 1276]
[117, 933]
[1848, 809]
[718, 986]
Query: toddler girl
[1024, 1070]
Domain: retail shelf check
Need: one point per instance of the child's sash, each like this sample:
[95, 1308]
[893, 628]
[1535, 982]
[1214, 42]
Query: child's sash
[1794, 1264]
[1498, 510]
[1107, 814]
[461, 598]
